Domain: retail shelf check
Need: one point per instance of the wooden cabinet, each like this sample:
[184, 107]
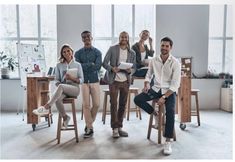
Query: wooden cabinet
[184, 100]
[226, 100]
[37, 95]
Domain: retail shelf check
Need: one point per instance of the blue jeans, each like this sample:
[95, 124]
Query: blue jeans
[141, 101]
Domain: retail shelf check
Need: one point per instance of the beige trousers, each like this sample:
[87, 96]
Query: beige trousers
[90, 90]
[62, 91]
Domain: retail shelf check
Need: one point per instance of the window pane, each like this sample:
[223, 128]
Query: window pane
[122, 19]
[215, 56]
[28, 21]
[102, 20]
[144, 19]
[9, 48]
[50, 48]
[8, 20]
[229, 24]
[103, 46]
[229, 57]
[216, 20]
[48, 21]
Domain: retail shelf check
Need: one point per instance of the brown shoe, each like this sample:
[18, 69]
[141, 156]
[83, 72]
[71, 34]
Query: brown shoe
[122, 133]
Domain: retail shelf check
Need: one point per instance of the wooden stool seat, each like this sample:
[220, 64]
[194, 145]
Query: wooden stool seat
[105, 104]
[161, 123]
[136, 109]
[194, 92]
[71, 101]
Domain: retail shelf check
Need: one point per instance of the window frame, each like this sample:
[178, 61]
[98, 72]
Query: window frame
[224, 39]
[18, 37]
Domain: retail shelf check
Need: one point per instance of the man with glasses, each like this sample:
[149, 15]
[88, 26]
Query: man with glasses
[90, 59]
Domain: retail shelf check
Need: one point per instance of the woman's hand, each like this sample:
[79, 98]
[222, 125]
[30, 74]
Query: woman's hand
[68, 77]
[150, 40]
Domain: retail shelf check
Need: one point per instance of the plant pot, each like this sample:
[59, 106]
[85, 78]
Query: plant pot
[5, 73]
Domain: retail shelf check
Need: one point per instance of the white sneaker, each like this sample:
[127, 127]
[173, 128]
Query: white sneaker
[167, 148]
[66, 122]
[115, 133]
[40, 111]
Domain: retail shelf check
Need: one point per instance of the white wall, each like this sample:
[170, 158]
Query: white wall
[71, 21]
[188, 26]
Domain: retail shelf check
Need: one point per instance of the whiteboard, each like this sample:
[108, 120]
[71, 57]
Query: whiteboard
[31, 60]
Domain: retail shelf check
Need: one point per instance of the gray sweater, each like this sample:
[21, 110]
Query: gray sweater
[112, 60]
[61, 69]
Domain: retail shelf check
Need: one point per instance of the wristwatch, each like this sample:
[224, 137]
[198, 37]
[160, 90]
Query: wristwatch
[164, 97]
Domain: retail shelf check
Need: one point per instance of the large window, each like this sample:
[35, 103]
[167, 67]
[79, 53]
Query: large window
[220, 39]
[109, 20]
[32, 24]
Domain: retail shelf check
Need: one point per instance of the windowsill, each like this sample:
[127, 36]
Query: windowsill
[16, 78]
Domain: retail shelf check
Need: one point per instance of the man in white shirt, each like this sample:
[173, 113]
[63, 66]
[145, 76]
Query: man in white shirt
[167, 71]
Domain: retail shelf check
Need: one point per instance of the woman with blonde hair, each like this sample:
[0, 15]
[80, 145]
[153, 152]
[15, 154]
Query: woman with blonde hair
[142, 53]
[68, 76]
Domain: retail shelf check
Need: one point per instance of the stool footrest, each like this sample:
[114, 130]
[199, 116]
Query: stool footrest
[67, 129]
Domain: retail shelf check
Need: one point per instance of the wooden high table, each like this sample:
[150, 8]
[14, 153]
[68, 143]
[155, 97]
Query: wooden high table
[37, 95]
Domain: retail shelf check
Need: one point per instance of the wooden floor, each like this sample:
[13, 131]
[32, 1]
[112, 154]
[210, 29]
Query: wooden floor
[212, 140]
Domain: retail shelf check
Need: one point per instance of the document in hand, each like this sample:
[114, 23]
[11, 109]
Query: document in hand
[125, 65]
[73, 72]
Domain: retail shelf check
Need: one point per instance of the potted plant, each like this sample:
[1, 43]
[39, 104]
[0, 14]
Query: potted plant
[8, 63]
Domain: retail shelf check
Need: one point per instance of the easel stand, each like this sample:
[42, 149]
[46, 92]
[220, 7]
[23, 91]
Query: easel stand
[24, 102]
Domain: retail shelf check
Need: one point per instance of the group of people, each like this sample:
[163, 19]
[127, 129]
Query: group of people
[88, 61]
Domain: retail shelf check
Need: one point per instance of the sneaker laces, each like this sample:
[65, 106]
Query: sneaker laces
[167, 146]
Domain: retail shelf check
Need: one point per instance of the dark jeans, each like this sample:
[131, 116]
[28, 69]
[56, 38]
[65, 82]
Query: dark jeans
[117, 114]
[140, 73]
[141, 101]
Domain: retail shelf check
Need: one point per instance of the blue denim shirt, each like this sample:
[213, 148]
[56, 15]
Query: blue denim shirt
[90, 59]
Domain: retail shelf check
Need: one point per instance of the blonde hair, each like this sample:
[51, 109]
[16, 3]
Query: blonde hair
[62, 58]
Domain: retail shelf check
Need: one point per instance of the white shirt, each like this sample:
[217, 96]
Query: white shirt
[120, 76]
[143, 54]
[167, 75]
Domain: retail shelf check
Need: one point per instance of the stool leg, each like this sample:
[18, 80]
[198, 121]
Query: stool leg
[138, 110]
[197, 107]
[59, 129]
[128, 105]
[160, 122]
[75, 121]
[49, 120]
[82, 113]
[104, 108]
[150, 126]
[174, 134]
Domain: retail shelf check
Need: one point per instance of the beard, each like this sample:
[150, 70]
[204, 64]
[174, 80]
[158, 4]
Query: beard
[164, 52]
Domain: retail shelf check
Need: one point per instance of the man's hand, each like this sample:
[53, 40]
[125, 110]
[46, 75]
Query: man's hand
[146, 87]
[128, 70]
[161, 101]
[115, 69]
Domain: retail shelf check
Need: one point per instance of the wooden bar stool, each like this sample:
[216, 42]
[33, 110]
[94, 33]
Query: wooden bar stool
[194, 92]
[105, 104]
[161, 123]
[136, 108]
[70, 127]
